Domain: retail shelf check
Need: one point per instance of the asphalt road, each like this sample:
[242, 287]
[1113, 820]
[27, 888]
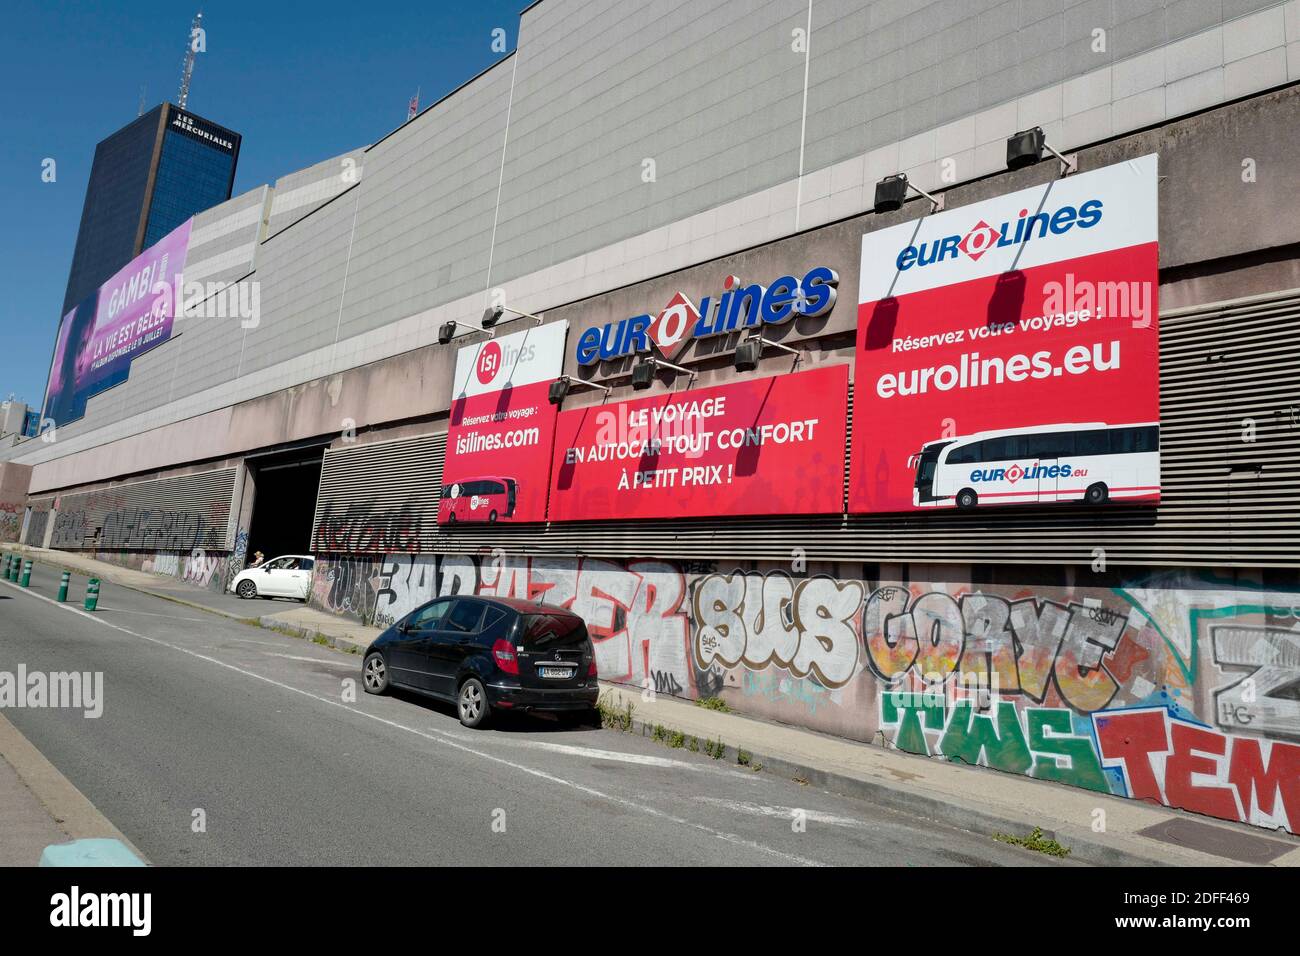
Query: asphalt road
[254, 728]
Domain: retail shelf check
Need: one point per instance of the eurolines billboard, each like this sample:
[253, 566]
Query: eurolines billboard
[1008, 351]
[760, 446]
[128, 315]
[502, 426]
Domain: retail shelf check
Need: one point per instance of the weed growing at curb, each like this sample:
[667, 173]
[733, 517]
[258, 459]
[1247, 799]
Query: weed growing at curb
[1035, 841]
[713, 703]
[612, 716]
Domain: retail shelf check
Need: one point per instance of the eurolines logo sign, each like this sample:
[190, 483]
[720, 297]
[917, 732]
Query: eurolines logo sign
[738, 307]
[1079, 216]
[982, 237]
[1034, 471]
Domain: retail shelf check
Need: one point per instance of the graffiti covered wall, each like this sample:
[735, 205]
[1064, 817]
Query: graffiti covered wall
[11, 521]
[1178, 688]
[213, 570]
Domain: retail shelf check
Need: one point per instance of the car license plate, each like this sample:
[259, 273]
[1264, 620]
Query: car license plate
[558, 673]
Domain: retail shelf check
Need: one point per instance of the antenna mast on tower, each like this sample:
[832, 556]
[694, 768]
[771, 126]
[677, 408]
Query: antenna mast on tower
[188, 71]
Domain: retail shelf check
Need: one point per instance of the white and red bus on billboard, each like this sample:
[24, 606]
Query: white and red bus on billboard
[478, 499]
[1092, 462]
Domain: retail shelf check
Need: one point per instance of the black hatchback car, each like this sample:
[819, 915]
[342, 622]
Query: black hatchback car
[488, 654]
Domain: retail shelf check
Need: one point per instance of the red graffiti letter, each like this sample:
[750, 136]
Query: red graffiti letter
[1250, 776]
[1179, 789]
[1130, 738]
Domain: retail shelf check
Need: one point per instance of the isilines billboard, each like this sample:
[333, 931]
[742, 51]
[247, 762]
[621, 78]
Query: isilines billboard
[502, 425]
[1008, 351]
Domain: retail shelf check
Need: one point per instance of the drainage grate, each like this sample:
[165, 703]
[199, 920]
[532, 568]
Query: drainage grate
[1220, 841]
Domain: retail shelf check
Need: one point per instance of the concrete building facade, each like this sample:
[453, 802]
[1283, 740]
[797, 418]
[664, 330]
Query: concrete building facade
[624, 153]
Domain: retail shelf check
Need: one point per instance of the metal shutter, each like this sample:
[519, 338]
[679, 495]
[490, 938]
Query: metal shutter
[381, 497]
[161, 514]
[37, 521]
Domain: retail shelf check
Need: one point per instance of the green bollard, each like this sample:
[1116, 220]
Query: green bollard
[27, 573]
[92, 594]
[8, 558]
[12, 574]
[63, 585]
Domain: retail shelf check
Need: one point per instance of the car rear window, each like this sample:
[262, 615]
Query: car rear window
[551, 630]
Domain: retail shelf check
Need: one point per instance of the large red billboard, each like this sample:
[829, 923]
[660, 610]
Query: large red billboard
[502, 425]
[1008, 351]
[760, 446]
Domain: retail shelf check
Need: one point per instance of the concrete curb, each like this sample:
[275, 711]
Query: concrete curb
[74, 813]
[338, 642]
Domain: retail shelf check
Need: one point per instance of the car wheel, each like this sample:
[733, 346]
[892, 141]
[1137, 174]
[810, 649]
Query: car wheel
[374, 674]
[1096, 494]
[451, 517]
[472, 703]
[966, 498]
[492, 516]
[246, 589]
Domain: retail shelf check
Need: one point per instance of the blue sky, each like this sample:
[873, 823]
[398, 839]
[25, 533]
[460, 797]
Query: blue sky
[300, 86]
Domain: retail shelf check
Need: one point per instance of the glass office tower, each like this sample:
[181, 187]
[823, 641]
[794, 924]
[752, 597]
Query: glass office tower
[147, 179]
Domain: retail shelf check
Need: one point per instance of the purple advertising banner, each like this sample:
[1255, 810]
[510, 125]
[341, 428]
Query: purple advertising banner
[129, 314]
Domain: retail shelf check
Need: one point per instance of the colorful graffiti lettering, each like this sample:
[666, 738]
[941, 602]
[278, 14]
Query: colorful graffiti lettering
[634, 613]
[1026, 646]
[406, 581]
[343, 586]
[1183, 764]
[1266, 698]
[1042, 742]
[758, 620]
[200, 567]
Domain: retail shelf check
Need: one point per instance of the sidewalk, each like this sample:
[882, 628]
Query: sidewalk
[39, 806]
[973, 798]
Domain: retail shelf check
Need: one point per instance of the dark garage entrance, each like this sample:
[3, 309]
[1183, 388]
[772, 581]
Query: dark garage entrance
[284, 501]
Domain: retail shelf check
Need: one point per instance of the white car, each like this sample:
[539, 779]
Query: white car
[286, 576]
